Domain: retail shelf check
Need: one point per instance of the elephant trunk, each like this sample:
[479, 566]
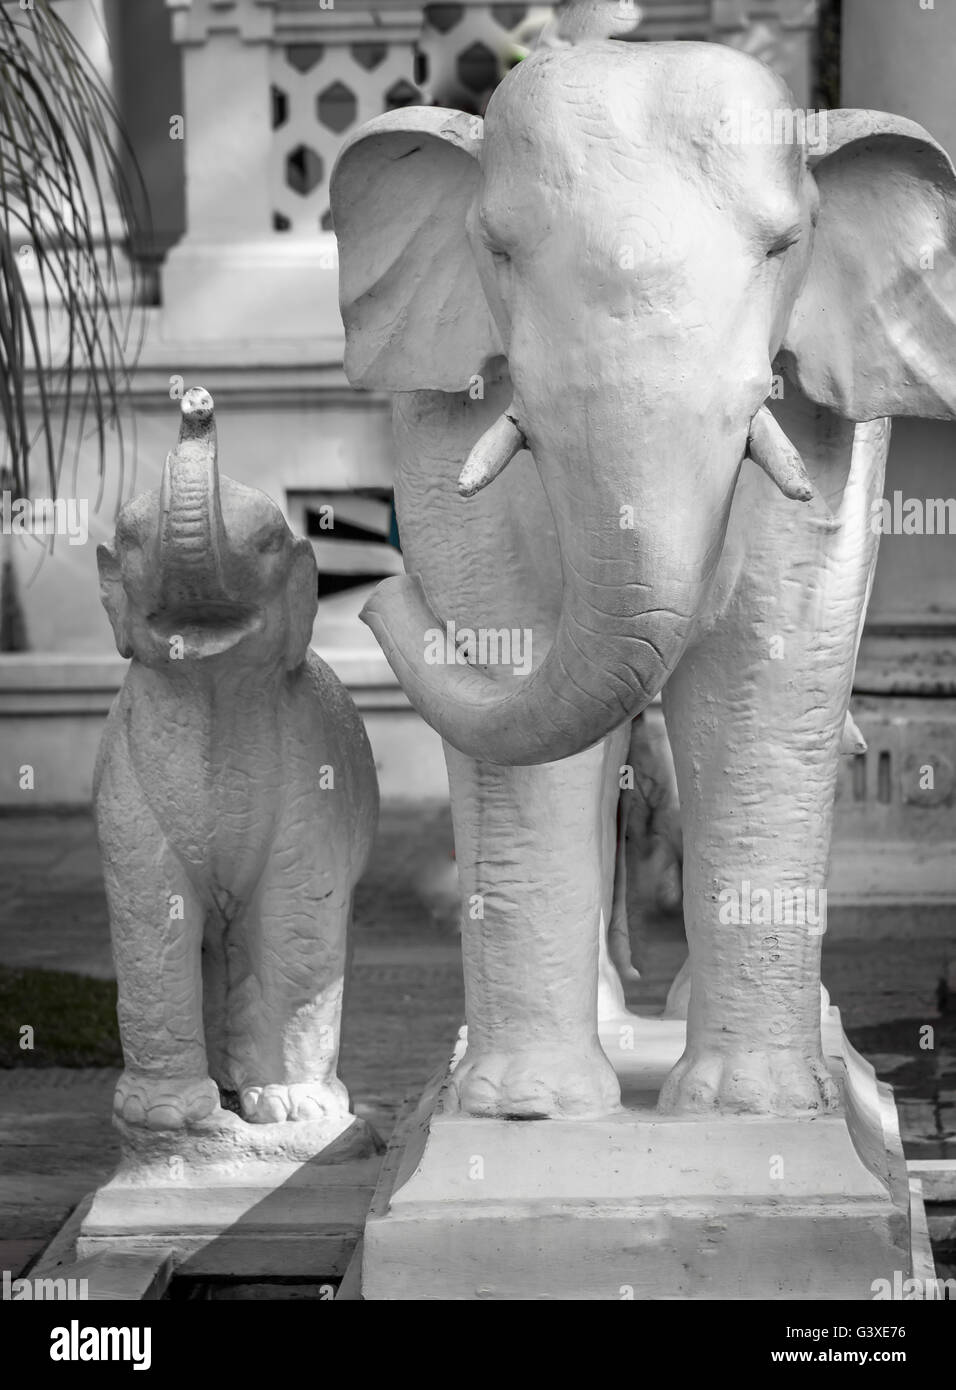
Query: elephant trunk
[191, 535]
[637, 561]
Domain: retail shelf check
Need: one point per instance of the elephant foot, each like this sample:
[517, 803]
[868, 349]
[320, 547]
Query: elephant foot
[545, 1083]
[785, 1081]
[164, 1102]
[300, 1100]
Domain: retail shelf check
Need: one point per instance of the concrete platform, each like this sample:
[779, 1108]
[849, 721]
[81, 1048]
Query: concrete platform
[642, 1206]
[226, 1212]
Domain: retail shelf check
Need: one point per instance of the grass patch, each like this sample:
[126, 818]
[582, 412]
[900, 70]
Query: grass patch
[72, 1016]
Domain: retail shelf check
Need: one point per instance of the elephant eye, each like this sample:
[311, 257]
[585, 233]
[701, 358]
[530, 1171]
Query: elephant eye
[782, 244]
[494, 250]
[490, 241]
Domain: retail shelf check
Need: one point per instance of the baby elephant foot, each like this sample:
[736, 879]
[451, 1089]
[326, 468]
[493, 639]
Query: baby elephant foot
[785, 1081]
[301, 1100]
[164, 1102]
[544, 1083]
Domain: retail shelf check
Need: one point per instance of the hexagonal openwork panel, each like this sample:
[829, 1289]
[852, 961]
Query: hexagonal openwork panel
[399, 94]
[304, 56]
[509, 16]
[336, 107]
[369, 55]
[443, 17]
[303, 170]
[280, 106]
[478, 68]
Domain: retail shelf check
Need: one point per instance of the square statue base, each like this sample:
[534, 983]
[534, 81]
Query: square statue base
[226, 1198]
[644, 1206]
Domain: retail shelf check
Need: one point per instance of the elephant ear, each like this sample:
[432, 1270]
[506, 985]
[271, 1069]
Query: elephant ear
[302, 597]
[873, 331]
[113, 597]
[414, 311]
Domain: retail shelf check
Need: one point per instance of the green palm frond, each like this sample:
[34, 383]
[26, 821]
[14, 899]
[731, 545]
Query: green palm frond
[65, 352]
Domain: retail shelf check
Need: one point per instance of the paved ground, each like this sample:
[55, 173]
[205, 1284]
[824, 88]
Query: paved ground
[405, 1004]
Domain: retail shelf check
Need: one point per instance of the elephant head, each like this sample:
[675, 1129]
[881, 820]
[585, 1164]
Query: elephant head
[615, 230]
[204, 566]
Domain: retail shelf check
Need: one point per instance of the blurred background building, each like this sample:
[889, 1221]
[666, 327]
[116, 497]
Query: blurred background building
[235, 110]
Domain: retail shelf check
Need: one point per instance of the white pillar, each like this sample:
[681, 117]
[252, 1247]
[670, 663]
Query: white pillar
[89, 24]
[898, 57]
[237, 274]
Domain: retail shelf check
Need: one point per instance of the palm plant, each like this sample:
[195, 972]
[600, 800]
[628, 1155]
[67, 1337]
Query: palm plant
[67, 319]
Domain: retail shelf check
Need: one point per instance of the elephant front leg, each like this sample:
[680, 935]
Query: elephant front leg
[156, 925]
[284, 1017]
[757, 784]
[535, 851]
[755, 714]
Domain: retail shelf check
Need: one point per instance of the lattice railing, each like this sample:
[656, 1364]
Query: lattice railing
[320, 92]
[333, 66]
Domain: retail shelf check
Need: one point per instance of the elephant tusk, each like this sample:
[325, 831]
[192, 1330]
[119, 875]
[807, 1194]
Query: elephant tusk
[772, 451]
[853, 741]
[492, 454]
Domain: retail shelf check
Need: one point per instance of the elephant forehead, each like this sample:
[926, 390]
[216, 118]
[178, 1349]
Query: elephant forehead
[655, 103]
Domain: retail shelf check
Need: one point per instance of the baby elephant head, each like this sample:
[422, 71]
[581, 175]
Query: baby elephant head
[204, 566]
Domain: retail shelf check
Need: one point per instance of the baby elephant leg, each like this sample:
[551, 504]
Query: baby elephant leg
[156, 923]
[285, 1033]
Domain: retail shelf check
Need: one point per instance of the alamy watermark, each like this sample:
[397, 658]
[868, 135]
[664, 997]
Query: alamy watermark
[483, 646]
[76, 1343]
[757, 125]
[45, 516]
[39, 1290]
[903, 1289]
[913, 516]
[750, 905]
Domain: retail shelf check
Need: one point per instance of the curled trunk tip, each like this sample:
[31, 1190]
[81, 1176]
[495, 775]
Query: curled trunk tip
[190, 537]
[197, 414]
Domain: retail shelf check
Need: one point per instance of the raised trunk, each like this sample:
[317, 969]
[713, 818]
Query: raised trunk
[189, 543]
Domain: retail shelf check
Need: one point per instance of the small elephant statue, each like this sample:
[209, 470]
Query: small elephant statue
[235, 801]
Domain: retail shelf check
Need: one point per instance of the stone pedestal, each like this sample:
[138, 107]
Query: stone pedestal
[642, 1206]
[239, 1200]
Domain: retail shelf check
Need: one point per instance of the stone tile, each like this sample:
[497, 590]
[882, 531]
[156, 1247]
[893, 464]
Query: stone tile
[917, 1120]
[15, 1255]
[929, 1148]
[886, 1063]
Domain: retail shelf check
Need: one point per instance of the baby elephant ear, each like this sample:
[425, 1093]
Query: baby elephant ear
[113, 597]
[414, 311]
[873, 331]
[302, 597]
